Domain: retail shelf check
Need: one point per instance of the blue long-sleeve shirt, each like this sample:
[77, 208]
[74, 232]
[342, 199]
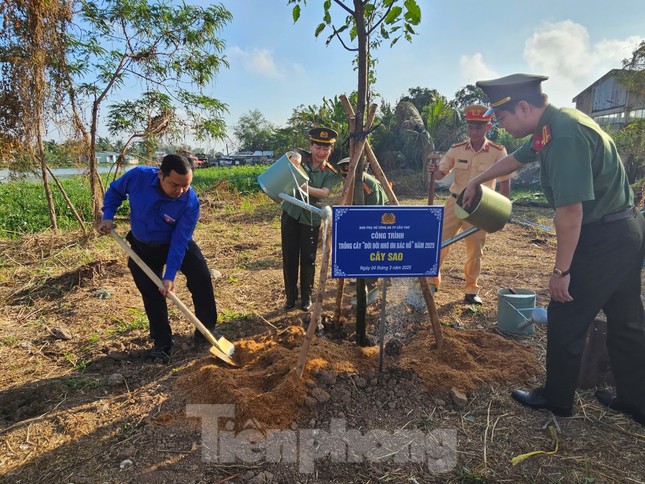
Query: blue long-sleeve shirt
[155, 218]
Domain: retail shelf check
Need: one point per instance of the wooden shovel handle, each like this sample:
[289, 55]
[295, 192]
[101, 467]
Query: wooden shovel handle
[171, 295]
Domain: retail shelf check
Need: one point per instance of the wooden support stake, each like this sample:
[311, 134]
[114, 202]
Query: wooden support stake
[339, 300]
[318, 301]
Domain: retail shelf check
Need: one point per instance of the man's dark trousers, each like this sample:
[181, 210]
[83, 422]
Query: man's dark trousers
[198, 281]
[605, 274]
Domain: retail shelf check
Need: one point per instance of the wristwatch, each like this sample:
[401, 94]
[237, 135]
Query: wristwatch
[560, 273]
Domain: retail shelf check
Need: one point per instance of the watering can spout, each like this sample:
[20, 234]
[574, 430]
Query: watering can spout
[517, 313]
[538, 316]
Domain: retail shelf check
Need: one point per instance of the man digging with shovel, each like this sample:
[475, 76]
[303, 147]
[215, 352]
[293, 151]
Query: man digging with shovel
[163, 214]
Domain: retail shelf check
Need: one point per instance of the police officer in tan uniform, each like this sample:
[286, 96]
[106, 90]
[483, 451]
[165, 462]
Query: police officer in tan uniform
[468, 159]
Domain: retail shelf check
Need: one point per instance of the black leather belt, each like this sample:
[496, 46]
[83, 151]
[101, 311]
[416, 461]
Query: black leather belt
[140, 243]
[453, 195]
[615, 217]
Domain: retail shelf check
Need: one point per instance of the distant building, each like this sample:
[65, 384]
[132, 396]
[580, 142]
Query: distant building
[110, 157]
[609, 102]
[106, 157]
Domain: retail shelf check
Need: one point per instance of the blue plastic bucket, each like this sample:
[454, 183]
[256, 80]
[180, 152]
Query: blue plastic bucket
[282, 177]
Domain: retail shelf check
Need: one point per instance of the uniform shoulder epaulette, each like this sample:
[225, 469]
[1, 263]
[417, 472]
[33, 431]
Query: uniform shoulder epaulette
[460, 143]
[496, 145]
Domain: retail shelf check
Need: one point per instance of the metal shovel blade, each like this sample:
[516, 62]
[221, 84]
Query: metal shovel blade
[221, 355]
[226, 346]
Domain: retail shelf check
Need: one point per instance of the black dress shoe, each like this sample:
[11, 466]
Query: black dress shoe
[289, 305]
[536, 399]
[608, 399]
[158, 352]
[306, 304]
[473, 299]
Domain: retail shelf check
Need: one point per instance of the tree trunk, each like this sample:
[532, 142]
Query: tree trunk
[70, 204]
[46, 187]
[359, 198]
[41, 158]
[95, 194]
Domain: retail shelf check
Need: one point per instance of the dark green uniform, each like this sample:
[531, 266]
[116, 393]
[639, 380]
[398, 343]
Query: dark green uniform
[299, 229]
[579, 163]
[373, 191]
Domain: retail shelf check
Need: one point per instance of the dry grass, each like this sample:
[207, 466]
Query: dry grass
[61, 420]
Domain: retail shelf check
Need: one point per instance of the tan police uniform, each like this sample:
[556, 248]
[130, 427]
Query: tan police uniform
[467, 164]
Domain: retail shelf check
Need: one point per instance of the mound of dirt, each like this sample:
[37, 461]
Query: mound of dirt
[266, 389]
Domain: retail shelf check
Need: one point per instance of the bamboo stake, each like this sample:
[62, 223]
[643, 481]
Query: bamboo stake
[317, 310]
[380, 176]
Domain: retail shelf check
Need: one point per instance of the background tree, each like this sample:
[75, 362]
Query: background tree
[633, 74]
[470, 94]
[31, 53]
[167, 48]
[330, 114]
[253, 132]
[421, 97]
[444, 123]
[146, 119]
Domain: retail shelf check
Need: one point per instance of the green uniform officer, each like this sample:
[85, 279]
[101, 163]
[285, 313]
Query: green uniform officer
[300, 227]
[373, 194]
[600, 242]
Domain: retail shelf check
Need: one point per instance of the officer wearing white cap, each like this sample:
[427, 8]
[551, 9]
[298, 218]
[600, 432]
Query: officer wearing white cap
[300, 227]
[600, 242]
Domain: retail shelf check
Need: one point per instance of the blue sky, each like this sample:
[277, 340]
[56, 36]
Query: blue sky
[276, 65]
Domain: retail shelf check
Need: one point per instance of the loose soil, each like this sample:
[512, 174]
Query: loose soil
[78, 403]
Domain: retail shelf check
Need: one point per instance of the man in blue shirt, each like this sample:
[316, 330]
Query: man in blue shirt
[163, 214]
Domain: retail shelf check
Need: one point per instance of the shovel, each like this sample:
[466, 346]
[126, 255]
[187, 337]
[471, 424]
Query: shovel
[221, 348]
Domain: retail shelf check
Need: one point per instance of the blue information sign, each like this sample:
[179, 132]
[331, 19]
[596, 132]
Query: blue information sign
[386, 241]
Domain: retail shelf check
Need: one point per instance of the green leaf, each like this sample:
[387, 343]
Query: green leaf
[295, 13]
[393, 15]
[413, 12]
[319, 29]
